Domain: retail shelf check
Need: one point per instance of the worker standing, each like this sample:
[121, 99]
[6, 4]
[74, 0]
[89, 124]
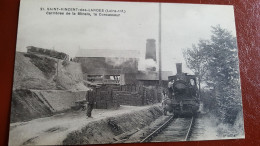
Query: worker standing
[90, 103]
[170, 88]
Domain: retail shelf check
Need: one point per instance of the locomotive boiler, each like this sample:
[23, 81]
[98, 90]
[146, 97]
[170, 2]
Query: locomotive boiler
[182, 94]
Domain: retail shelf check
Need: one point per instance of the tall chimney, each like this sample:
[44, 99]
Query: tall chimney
[179, 68]
[150, 49]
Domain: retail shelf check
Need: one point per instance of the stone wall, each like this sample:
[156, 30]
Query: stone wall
[128, 98]
[113, 96]
[32, 104]
[60, 100]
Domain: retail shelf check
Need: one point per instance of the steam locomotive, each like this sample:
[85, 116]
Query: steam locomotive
[182, 94]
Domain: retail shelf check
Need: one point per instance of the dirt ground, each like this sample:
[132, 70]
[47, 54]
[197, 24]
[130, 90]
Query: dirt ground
[53, 130]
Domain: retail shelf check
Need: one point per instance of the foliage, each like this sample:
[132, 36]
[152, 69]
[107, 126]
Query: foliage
[47, 52]
[215, 61]
[196, 60]
[65, 63]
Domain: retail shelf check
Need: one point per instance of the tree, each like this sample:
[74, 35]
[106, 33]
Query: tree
[216, 62]
[196, 60]
[222, 58]
[223, 73]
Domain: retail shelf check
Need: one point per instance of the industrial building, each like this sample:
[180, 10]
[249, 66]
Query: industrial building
[103, 66]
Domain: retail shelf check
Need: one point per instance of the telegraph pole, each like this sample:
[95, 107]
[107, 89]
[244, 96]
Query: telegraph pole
[159, 44]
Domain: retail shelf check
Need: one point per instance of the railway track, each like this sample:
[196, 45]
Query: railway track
[174, 129]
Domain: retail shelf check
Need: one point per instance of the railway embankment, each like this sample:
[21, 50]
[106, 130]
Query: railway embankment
[114, 129]
[106, 126]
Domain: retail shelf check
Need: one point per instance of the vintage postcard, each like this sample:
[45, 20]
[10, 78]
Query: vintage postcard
[93, 72]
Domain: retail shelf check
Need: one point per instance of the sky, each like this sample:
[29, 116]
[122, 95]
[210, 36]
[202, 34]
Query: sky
[182, 26]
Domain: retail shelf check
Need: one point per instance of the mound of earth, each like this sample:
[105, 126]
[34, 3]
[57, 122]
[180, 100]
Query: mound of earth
[46, 73]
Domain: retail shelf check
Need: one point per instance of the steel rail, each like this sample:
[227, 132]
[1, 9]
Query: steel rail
[189, 130]
[150, 136]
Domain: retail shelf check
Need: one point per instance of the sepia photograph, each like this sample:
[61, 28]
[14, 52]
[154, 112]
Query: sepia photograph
[95, 72]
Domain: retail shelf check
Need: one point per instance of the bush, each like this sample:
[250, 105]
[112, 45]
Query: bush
[65, 63]
[51, 53]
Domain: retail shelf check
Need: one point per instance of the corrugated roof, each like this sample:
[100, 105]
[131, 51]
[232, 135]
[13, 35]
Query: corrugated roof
[153, 75]
[107, 53]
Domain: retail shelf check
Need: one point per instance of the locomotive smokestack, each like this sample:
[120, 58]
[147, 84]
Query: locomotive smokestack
[179, 68]
[150, 49]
